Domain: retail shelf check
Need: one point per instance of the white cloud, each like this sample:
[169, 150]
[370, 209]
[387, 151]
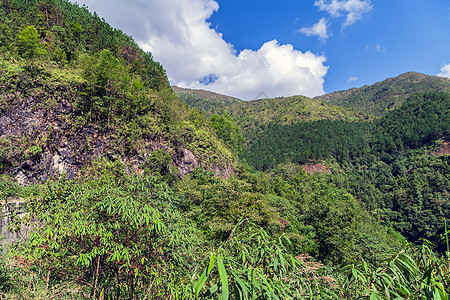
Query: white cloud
[319, 29]
[445, 71]
[277, 70]
[375, 48]
[351, 79]
[378, 48]
[353, 10]
[179, 36]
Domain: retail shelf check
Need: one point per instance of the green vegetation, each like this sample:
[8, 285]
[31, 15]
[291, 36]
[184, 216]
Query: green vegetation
[417, 123]
[228, 131]
[158, 206]
[256, 116]
[385, 163]
[308, 141]
[28, 43]
[421, 120]
[120, 236]
[208, 102]
[93, 83]
[412, 273]
[387, 95]
[117, 235]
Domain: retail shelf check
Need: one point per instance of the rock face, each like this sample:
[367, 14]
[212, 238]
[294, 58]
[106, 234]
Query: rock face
[37, 143]
[187, 162]
[11, 235]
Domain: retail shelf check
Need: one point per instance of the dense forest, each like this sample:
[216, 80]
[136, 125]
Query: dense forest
[133, 195]
[386, 163]
[420, 121]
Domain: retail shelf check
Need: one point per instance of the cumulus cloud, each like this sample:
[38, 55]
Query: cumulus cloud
[445, 71]
[319, 29]
[277, 70]
[194, 55]
[353, 10]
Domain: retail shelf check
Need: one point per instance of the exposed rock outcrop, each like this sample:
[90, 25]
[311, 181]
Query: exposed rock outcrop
[443, 150]
[14, 209]
[37, 142]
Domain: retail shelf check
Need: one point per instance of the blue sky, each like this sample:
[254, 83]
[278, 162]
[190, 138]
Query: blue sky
[391, 38]
[286, 47]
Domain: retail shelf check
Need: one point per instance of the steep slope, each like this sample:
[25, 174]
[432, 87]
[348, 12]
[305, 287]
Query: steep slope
[306, 142]
[206, 101]
[422, 120]
[254, 116]
[75, 90]
[388, 94]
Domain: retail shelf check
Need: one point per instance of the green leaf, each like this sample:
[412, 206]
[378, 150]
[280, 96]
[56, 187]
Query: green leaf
[275, 264]
[427, 275]
[202, 280]
[241, 284]
[223, 278]
[366, 269]
[373, 296]
[355, 273]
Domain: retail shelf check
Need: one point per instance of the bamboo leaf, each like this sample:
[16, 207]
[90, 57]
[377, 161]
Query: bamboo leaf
[366, 269]
[427, 275]
[355, 274]
[275, 264]
[241, 284]
[373, 296]
[223, 278]
[202, 280]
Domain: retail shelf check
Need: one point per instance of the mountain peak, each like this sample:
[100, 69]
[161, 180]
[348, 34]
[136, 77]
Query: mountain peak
[387, 94]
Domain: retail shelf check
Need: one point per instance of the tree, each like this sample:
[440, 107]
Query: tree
[29, 44]
[227, 130]
[333, 213]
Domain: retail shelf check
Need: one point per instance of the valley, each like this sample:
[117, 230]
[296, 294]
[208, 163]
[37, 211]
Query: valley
[143, 190]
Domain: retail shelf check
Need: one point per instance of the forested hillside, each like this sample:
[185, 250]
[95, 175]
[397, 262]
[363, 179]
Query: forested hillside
[208, 102]
[387, 95]
[133, 195]
[387, 163]
[420, 121]
[74, 89]
[255, 116]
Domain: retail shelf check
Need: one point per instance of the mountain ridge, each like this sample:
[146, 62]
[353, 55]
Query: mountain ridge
[387, 94]
[384, 95]
[256, 115]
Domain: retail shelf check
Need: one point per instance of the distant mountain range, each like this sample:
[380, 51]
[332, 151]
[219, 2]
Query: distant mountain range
[388, 94]
[255, 116]
[355, 103]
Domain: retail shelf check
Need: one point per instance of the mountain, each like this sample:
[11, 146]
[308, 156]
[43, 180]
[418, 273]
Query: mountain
[85, 110]
[373, 99]
[388, 94]
[255, 116]
[420, 121]
[353, 104]
[208, 102]
[74, 90]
